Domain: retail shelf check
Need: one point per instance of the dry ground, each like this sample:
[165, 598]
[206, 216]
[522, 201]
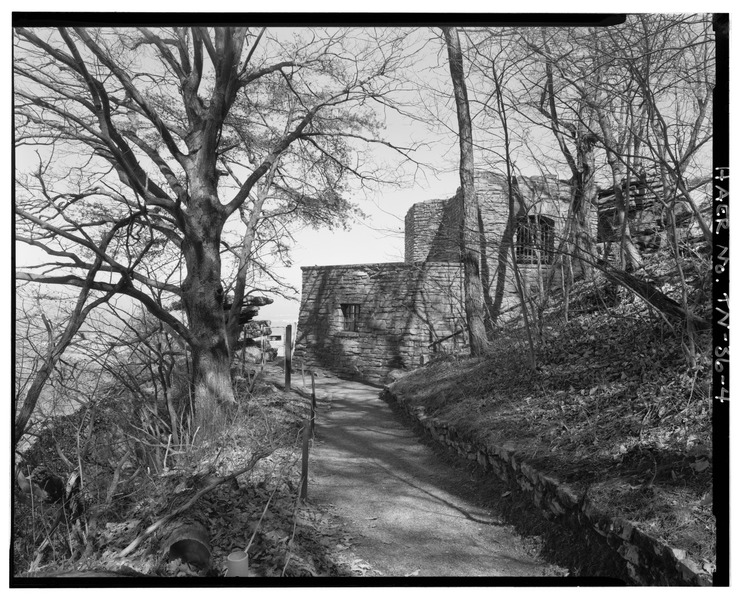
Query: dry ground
[612, 408]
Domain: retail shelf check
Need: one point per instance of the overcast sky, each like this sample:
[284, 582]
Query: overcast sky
[379, 238]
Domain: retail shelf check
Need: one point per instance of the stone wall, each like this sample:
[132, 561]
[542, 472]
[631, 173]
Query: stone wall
[405, 310]
[433, 233]
[407, 307]
[432, 228]
[446, 245]
[647, 561]
[421, 225]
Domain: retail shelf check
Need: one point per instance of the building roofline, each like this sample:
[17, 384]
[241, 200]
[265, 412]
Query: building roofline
[395, 265]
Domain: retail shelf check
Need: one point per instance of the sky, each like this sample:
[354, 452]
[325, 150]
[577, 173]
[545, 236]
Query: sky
[377, 239]
[380, 236]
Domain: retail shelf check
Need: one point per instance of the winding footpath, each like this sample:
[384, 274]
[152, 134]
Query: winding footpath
[407, 510]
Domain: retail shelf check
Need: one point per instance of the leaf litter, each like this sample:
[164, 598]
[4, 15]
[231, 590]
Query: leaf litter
[260, 511]
[613, 409]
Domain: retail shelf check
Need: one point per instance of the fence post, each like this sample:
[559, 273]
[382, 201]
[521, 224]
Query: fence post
[313, 403]
[262, 348]
[287, 358]
[305, 461]
[244, 349]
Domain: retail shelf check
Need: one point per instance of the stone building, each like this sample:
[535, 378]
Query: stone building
[362, 321]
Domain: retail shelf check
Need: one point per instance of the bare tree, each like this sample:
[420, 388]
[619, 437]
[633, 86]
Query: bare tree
[164, 136]
[470, 250]
[571, 120]
[613, 99]
[58, 343]
[512, 211]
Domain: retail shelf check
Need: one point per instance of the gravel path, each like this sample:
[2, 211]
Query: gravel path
[404, 507]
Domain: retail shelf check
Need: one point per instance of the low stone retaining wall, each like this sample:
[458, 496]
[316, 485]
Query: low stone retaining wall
[647, 560]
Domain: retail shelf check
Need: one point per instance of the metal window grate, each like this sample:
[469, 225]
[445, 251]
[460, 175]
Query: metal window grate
[534, 240]
[350, 316]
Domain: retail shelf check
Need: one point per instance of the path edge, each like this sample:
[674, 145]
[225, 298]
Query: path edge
[647, 561]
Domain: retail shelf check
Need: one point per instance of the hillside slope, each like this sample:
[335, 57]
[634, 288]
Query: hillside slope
[611, 408]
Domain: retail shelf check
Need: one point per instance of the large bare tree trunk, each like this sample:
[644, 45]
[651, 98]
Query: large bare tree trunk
[471, 255]
[203, 300]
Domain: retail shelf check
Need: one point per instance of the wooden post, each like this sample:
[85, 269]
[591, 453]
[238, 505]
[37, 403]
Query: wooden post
[313, 403]
[287, 361]
[262, 349]
[305, 461]
[244, 348]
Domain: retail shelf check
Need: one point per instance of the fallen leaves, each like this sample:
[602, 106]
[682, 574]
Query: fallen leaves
[291, 539]
[612, 403]
[700, 465]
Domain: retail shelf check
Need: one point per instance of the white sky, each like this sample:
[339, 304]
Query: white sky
[377, 238]
[380, 238]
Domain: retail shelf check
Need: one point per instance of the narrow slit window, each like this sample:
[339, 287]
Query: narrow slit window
[350, 316]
